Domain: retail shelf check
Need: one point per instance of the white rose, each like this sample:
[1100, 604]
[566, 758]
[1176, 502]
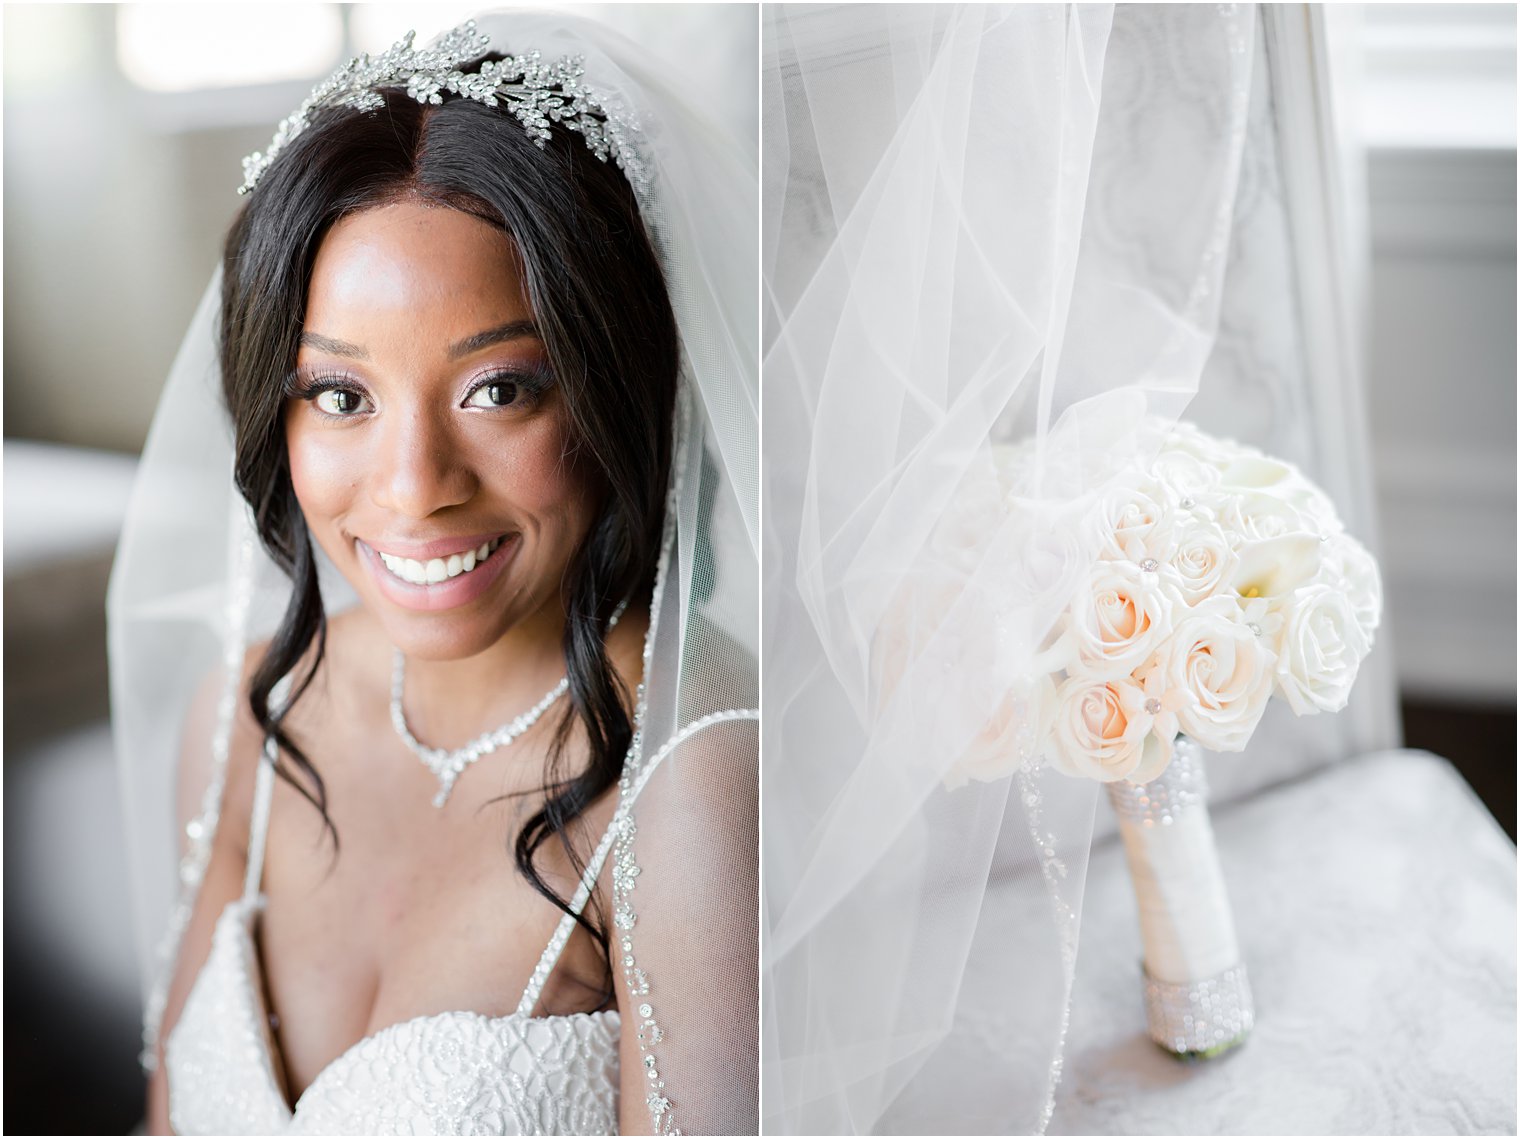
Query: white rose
[1315, 505]
[1186, 439]
[1101, 730]
[1224, 669]
[1013, 736]
[1014, 463]
[1323, 646]
[1348, 568]
[1120, 615]
[1133, 525]
[912, 619]
[1251, 471]
[970, 519]
[1184, 479]
[1042, 553]
[1204, 560]
[1258, 515]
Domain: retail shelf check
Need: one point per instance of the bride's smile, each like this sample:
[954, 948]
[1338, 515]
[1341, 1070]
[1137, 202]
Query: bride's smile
[436, 563]
[429, 442]
[432, 581]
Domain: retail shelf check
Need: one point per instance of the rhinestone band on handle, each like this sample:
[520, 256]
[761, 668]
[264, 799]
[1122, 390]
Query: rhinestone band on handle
[1203, 1018]
[1157, 803]
[1197, 994]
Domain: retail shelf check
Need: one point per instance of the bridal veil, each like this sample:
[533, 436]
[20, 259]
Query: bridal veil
[981, 224]
[192, 589]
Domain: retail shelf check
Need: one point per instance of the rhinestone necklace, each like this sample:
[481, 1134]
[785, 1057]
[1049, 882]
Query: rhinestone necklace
[446, 766]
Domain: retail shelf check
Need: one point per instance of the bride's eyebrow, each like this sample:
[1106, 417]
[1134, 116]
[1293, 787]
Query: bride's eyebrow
[512, 330]
[334, 347]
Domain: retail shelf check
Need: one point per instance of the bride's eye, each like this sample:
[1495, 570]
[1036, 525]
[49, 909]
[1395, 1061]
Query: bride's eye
[496, 393]
[503, 391]
[340, 401]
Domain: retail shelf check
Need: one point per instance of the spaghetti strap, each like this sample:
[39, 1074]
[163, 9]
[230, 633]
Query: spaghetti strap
[263, 790]
[566, 925]
[258, 826]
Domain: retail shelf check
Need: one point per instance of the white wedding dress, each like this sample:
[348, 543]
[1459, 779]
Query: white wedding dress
[455, 1073]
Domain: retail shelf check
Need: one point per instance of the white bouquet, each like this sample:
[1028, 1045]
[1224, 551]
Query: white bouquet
[1224, 577]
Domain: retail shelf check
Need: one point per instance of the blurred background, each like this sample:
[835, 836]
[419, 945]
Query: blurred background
[124, 131]
[1426, 98]
[124, 127]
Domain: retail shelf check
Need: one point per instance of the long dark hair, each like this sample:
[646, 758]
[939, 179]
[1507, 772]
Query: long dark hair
[599, 300]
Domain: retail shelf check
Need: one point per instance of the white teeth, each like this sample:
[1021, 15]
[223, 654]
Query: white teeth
[404, 568]
[437, 569]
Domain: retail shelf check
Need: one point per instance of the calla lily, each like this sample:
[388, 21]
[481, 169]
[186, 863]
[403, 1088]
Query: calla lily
[1256, 472]
[1275, 567]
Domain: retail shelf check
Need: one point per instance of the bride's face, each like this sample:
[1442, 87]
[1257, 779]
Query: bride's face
[429, 444]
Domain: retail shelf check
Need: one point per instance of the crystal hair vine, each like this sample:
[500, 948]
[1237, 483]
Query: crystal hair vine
[539, 94]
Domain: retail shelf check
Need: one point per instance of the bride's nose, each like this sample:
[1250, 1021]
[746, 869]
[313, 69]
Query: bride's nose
[418, 467]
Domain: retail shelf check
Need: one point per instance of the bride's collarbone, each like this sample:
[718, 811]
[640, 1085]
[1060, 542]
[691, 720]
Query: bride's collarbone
[407, 886]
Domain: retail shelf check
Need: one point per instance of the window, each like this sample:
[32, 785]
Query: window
[196, 47]
[1436, 76]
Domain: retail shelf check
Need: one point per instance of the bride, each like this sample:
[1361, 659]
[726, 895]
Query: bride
[474, 657]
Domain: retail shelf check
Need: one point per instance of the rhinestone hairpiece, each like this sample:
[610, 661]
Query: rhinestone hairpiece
[539, 94]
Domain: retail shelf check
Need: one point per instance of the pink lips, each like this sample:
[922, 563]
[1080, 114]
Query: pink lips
[449, 594]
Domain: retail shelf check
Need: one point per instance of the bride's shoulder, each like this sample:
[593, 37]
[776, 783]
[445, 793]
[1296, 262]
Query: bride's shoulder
[718, 671]
[712, 763]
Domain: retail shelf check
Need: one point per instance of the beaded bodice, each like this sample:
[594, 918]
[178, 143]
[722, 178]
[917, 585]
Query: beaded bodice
[456, 1073]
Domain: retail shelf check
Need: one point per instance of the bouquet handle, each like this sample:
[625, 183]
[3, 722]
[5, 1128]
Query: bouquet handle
[1197, 995]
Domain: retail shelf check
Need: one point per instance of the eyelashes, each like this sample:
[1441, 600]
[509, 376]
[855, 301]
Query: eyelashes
[341, 395]
[307, 385]
[333, 395]
[509, 388]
